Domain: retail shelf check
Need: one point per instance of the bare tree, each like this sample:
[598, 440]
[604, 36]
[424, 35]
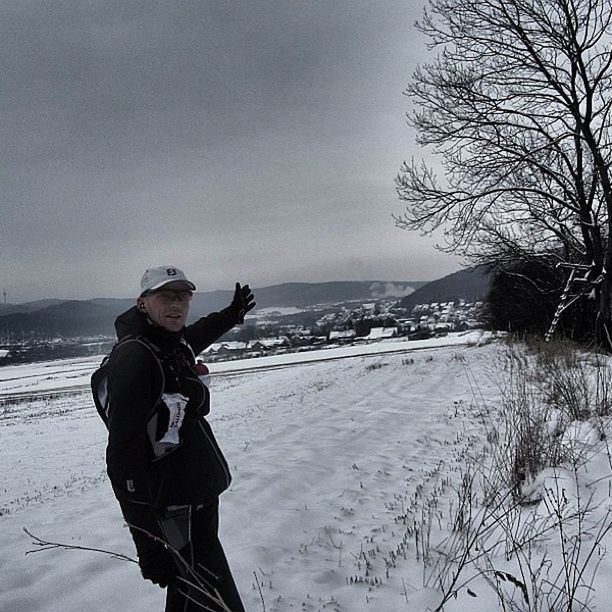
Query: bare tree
[517, 106]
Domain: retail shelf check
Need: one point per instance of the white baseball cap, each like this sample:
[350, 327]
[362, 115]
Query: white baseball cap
[156, 278]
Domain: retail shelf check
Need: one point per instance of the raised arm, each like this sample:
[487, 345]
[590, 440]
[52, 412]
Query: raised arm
[207, 330]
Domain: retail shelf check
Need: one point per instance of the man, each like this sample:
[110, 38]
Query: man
[165, 466]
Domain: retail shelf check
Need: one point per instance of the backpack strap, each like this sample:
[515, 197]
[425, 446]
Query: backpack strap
[188, 350]
[156, 352]
[99, 379]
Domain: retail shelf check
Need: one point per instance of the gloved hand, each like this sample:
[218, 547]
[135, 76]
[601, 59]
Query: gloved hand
[243, 301]
[158, 566]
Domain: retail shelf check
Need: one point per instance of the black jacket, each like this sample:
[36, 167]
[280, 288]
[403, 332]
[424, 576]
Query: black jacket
[149, 369]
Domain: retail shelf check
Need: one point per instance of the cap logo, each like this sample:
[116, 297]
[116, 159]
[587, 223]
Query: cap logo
[171, 271]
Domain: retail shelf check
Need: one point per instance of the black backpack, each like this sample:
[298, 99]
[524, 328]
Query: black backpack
[99, 379]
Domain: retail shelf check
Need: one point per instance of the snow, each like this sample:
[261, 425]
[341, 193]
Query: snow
[332, 453]
[47, 375]
[389, 346]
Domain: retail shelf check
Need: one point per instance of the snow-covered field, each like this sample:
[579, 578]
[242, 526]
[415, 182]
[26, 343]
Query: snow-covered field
[331, 460]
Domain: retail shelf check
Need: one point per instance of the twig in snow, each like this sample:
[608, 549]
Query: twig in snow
[47, 545]
[263, 603]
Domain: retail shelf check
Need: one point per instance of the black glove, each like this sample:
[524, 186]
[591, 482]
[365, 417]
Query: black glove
[243, 301]
[158, 566]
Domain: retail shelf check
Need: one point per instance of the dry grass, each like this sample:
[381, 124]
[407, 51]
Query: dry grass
[521, 522]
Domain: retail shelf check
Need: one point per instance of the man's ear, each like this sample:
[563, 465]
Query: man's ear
[141, 305]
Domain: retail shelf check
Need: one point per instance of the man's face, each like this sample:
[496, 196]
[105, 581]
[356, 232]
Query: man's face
[168, 307]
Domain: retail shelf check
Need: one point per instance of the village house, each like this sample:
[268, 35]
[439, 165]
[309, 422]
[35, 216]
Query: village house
[380, 333]
[225, 350]
[342, 336]
[266, 345]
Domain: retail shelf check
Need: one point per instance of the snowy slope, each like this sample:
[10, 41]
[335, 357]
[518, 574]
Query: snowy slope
[330, 462]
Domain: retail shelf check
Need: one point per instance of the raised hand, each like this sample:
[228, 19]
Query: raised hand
[243, 301]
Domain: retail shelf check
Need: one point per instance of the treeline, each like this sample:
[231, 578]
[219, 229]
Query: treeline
[525, 296]
[46, 351]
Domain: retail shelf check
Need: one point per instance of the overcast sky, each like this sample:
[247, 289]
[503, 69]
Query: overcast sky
[251, 140]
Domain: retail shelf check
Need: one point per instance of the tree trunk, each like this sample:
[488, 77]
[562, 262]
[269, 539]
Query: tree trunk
[603, 328]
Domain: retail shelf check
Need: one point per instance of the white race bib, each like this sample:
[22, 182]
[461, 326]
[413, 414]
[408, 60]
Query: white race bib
[175, 403]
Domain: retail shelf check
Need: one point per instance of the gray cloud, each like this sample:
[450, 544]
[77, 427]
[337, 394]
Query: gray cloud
[252, 140]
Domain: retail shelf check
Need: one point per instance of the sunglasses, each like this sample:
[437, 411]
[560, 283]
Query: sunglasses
[167, 297]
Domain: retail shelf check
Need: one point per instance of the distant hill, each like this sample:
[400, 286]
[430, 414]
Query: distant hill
[310, 294]
[64, 319]
[74, 318]
[6, 309]
[471, 285]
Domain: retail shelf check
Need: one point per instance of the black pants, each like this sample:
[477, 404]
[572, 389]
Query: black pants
[207, 582]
